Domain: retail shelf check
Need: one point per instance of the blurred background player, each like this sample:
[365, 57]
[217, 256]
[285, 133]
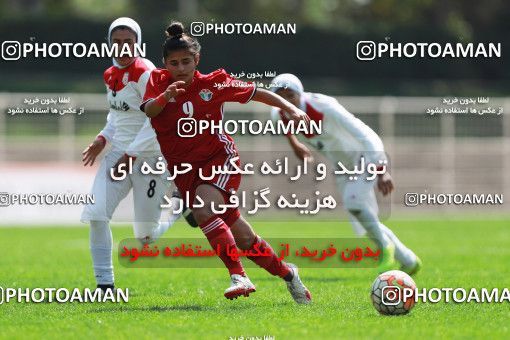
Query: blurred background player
[345, 138]
[131, 135]
[181, 92]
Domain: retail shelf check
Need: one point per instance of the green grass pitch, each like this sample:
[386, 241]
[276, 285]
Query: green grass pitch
[189, 303]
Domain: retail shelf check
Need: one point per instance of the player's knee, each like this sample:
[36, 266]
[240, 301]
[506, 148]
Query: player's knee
[96, 212]
[354, 211]
[202, 215]
[245, 241]
[96, 223]
[363, 213]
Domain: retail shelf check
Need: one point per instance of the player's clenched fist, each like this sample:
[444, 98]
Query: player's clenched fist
[153, 107]
[174, 89]
[385, 183]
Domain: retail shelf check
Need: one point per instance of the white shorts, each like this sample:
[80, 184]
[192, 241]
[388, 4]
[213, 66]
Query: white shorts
[358, 195]
[148, 192]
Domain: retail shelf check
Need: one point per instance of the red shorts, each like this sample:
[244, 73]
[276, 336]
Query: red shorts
[189, 182]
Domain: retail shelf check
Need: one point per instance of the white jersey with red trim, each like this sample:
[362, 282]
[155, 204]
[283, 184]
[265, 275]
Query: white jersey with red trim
[127, 128]
[344, 137]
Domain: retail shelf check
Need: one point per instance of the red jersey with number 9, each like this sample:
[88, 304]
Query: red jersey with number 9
[176, 126]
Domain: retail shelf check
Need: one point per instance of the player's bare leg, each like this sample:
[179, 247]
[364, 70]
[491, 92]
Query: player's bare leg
[219, 235]
[246, 239]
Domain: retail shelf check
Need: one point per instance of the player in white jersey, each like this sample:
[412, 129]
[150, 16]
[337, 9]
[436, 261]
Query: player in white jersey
[131, 136]
[346, 139]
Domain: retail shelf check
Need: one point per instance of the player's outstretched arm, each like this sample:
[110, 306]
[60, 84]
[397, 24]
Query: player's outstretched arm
[299, 148]
[154, 107]
[269, 98]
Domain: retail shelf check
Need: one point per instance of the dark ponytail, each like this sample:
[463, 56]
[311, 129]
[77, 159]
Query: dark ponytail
[178, 40]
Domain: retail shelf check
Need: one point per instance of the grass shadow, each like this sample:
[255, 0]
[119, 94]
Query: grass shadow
[305, 280]
[158, 309]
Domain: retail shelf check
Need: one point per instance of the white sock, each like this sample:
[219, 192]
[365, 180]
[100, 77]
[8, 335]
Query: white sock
[370, 222]
[101, 245]
[164, 226]
[403, 254]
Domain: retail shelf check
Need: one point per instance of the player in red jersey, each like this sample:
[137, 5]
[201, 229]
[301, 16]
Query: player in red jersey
[181, 92]
[130, 134]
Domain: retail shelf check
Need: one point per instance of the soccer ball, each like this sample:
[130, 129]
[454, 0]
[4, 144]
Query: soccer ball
[387, 293]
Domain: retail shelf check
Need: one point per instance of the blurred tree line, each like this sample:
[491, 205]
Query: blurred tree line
[322, 52]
